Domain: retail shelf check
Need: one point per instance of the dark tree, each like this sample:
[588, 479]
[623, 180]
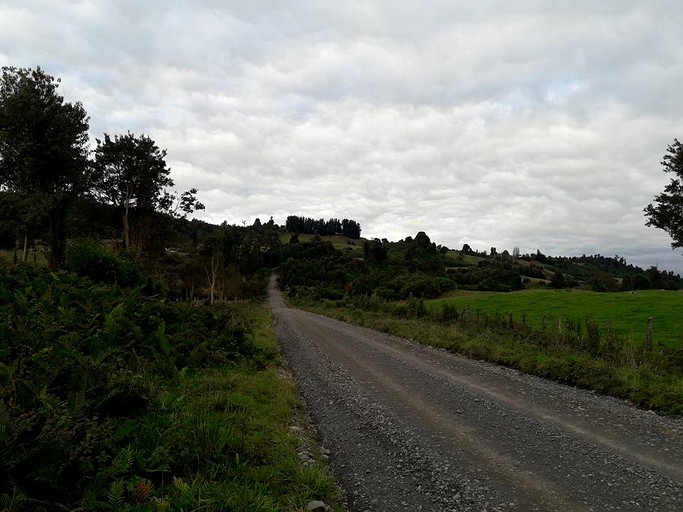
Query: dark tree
[374, 251]
[558, 281]
[43, 148]
[667, 210]
[22, 220]
[347, 227]
[130, 173]
[350, 228]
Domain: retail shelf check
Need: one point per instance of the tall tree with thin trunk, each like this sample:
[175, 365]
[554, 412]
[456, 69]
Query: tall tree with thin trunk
[43, 148]
[130, 173]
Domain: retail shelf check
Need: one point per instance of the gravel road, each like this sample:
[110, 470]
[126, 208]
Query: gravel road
[415, 428]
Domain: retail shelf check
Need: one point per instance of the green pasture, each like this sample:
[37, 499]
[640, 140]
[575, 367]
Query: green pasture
[627, 312]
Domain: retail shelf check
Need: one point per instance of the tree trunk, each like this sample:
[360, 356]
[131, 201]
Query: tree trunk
[126, 227]
[126, 231]
[212, 276]
[57, 217]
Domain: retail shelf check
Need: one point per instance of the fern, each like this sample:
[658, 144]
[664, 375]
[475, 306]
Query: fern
[111, 321]
[187, 493]
[49, 401]
[116, 498]
[143, 491]
[12, 503]
[161, 339]
[8, 426]
[123, 461]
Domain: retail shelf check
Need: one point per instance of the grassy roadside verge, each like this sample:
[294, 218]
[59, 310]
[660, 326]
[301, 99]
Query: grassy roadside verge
[245, 411]
[113, 401]
[649, 380]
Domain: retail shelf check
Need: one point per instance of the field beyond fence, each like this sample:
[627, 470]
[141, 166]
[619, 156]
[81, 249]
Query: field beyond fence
[625, 313]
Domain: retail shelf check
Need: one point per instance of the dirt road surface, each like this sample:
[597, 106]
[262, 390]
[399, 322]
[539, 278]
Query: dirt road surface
[415, 428]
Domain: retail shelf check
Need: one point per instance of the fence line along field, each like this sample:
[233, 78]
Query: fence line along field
[627, 312]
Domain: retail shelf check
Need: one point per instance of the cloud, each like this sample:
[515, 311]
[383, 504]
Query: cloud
[530, 123]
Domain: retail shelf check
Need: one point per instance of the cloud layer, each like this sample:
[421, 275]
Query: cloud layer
[529, 124]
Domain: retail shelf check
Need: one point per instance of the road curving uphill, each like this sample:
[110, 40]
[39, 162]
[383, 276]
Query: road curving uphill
[415, 428]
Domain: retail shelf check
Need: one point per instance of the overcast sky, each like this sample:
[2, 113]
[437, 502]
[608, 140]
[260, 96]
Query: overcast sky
[537, 124]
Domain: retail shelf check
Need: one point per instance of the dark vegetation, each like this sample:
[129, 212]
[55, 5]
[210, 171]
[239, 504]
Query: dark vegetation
[346, 227]
[111, 399]
[418, 268]
[137, 370]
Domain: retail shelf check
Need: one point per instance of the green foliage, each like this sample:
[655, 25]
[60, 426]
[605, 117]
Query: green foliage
[412, 308]
[420, 285]
[331, 294]
[43, 150]
[502, 280]
[111, 401]
[390, 271]
[130, 173]
[667, 210]
[374, 251]
[345, 227]
[89, 259]
[557, 281]
[77, 362]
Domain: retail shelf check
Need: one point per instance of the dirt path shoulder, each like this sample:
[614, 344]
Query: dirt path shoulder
[416, 428]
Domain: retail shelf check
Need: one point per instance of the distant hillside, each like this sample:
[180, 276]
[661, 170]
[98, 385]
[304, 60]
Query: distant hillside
[416, 267]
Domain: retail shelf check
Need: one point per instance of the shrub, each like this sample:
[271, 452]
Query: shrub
[422, 286]
[88, 259]
[331, 294]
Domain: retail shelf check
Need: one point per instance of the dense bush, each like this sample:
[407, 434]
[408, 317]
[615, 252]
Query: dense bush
[78, 362]
[89, 259]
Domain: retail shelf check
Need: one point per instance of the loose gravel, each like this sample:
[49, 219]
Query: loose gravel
[410, 427]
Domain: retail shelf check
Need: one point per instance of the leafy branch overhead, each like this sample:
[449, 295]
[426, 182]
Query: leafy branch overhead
[667, 210]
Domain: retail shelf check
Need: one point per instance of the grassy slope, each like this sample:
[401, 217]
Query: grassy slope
[628, 313]
[342, 243]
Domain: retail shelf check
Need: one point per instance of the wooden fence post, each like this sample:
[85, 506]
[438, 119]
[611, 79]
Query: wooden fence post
[648, 336]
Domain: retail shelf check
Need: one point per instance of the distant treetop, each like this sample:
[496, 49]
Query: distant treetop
[306, 225]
